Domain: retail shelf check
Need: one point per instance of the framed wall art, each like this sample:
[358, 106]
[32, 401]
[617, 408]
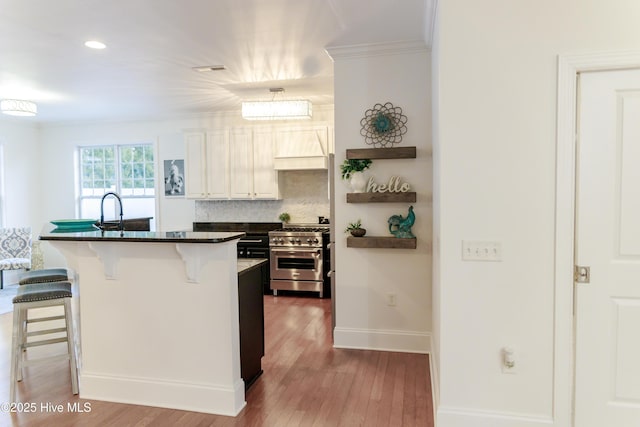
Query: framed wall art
[174, 184]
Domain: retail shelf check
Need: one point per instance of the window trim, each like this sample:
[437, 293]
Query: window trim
[153, 142]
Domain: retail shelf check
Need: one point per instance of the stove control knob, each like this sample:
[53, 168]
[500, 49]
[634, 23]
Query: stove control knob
[309, 241]
[316, 241]
[298, 241]
[291, 240]
[281, 240]
[274, 240]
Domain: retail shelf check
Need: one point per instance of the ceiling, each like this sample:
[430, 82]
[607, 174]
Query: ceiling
[152, 46]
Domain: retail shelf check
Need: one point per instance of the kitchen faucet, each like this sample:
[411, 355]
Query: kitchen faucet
[121, 223]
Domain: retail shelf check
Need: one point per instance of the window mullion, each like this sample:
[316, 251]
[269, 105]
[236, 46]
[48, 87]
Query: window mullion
[118, 170]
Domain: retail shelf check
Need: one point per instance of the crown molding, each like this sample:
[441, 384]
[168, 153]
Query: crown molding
[376, 49]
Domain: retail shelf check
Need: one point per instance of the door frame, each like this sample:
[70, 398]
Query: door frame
[569, 66]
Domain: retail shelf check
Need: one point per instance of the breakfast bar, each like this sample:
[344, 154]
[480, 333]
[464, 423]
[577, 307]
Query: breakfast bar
[157, 317]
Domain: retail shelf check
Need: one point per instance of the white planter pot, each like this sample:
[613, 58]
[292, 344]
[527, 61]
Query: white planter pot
[358, 182]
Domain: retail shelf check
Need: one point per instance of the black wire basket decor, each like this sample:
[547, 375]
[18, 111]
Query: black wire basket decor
[383, 125]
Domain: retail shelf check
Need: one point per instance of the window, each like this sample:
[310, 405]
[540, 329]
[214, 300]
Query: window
[128, 170]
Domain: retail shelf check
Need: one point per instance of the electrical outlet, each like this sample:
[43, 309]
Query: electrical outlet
[391, 299]
[481, 251]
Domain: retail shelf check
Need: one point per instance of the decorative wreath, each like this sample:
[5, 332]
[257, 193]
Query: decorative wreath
[383, 125]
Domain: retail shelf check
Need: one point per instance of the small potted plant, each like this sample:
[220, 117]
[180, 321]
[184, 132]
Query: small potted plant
[355, 228]
[352, 170]
[284, 217]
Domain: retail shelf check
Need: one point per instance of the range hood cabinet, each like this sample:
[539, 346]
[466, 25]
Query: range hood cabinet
[301, 148]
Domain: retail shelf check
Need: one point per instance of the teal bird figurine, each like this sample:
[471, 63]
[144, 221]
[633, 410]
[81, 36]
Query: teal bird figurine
[400, 226]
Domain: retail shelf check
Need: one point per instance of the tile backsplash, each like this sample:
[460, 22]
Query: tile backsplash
[305, 196]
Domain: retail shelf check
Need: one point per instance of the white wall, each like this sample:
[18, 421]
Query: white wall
[19, 145]
[495, 67]
[364, 76]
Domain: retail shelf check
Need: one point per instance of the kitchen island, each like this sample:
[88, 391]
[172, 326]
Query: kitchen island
[157, 315]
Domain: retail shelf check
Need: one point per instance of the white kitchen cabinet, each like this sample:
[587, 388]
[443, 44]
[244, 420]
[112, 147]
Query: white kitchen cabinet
[206, 171]
[241, 164]
[251, 172]
[265, 177]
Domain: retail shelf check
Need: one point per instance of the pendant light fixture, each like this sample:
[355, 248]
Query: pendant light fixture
[18, 107]
[277, 109]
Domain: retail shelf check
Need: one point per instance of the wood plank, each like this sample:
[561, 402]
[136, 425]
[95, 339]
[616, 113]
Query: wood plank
[381, 242]
[306, 382]
[382, 153]
[408, 197]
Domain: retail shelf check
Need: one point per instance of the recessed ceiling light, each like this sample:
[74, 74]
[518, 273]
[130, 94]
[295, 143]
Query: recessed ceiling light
[94, 44]
[207, 68]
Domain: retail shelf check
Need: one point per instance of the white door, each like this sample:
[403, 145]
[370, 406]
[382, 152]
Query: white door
[607, 310]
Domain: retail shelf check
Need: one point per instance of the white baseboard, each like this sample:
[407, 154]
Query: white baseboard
[205, 398]
[459, 417]
[383, 340]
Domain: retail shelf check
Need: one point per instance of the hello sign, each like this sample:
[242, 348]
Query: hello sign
[393, 186]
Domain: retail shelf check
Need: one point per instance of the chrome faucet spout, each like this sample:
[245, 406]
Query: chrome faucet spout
[121, 223]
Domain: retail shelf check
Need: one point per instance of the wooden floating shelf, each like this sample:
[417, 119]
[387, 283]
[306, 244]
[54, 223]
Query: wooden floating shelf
[381, 242]
[382, 153]
[408, 197]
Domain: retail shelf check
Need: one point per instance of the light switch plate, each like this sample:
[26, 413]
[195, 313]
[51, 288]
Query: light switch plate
[481, 250]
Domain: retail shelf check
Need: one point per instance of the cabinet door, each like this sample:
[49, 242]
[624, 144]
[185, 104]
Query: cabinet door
[241, 164]
[217, 161]
[195, 165]
[265, 177]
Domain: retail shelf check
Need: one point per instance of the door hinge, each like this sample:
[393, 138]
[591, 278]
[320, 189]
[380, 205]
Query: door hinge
[582, 274]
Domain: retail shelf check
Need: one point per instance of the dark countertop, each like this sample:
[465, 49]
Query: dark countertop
[95, 235]
[246, 264]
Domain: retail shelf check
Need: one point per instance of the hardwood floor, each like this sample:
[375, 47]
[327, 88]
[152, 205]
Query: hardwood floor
[306, 382]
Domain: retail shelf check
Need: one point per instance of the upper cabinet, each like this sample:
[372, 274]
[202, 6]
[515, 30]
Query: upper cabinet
[206, 165]
[251, 171]
[302, 147]
[265, 177]
[230, 164]
[243, 162]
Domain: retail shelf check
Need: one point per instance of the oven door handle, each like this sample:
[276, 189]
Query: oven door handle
[296, 251]
[250, 241]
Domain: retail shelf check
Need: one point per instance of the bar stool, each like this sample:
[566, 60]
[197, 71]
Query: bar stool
[40, 295]
[44, 276]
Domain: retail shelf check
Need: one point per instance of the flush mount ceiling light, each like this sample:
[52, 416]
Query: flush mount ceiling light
[277, 109]
[17, 107]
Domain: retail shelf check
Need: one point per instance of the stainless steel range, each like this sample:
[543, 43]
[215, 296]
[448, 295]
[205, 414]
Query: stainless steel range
[299, 259]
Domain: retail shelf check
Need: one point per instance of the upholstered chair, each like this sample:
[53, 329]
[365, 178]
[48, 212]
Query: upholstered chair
[15, 250]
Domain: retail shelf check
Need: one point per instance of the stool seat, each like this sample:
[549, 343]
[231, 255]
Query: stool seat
[42, 292]
[37, 296]
[44, 276]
